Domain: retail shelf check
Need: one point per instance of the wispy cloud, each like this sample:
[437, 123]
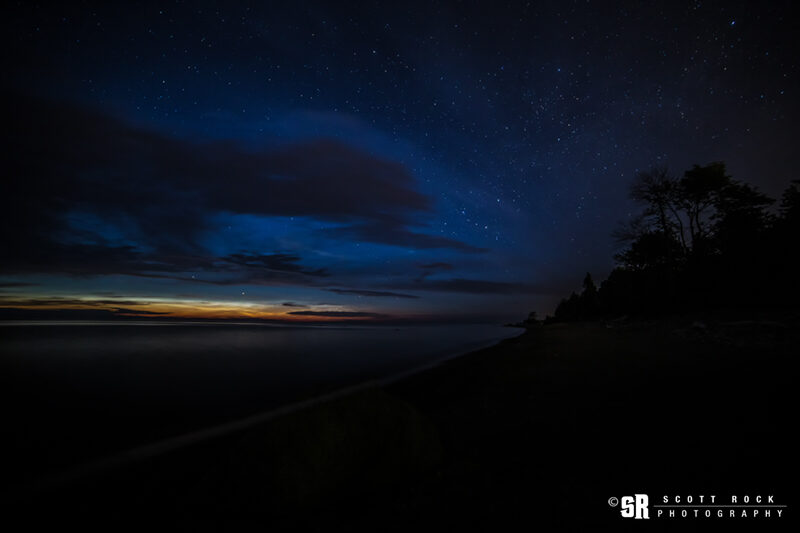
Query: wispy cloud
[160, 195]
[339, 314]
[474, 286]
[373, 294]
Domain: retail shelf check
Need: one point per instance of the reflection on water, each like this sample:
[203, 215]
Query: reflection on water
[86, 389]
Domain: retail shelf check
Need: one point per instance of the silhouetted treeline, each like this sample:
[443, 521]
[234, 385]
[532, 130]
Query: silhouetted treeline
[701, 241]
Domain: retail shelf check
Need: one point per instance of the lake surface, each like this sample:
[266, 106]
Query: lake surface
[80, 391]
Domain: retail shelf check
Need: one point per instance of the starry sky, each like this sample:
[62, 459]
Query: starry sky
[432, 161]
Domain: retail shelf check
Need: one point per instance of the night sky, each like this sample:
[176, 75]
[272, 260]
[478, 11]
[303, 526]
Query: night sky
[346, 160]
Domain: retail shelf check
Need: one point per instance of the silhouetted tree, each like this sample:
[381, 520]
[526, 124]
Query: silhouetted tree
[651, 250]
[790, 206]
[740, 219]
[684, 210]
[702, 240]
[660, 194]
[567, 309]
[699, 193]
[585, 306]
[784, 258]
[589, 300]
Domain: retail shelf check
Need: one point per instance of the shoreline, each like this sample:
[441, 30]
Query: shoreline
[144, 452]
[543, 425]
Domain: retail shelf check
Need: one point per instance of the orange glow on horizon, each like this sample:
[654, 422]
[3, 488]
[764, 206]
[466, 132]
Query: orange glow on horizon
[188, 309]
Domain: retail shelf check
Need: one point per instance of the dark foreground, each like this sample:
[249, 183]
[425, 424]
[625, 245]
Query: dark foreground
[538, 432]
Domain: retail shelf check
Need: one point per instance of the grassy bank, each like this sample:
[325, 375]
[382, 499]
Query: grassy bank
[541, 429]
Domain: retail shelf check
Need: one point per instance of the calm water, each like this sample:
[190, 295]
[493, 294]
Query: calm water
[79, 391]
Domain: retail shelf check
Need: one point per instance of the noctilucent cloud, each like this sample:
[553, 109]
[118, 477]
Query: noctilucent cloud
[364, 161]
